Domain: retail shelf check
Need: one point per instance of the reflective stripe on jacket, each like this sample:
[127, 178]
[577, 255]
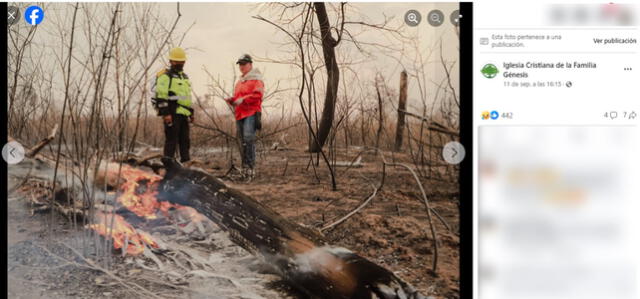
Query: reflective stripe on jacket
[174, 86]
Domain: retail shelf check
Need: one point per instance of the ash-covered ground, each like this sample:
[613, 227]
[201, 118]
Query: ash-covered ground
[393, 231]
[49, 257]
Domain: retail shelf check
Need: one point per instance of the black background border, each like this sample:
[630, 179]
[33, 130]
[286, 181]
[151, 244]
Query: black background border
[466, 138]
[3, 137]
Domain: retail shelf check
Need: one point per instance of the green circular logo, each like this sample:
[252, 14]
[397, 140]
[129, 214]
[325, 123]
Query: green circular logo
[489, 71]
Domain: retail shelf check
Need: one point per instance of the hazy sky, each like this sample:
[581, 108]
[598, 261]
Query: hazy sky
[221, 32]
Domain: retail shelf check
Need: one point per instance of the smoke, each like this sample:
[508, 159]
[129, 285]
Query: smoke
[321, 258]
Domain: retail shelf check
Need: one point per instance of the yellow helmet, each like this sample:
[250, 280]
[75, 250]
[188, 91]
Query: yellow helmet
[177, 54]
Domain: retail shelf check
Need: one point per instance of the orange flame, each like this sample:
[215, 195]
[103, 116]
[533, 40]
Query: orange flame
[138, 194]
[122, 233]
[141, 202]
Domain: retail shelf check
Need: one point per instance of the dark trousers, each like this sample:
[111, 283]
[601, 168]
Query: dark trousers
[177, 134]
[247, 133]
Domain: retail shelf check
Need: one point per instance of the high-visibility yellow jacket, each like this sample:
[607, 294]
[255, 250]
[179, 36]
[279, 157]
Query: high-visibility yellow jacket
[174, 86]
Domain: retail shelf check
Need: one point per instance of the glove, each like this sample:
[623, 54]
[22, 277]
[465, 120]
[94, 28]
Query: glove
[168, 119]
[238, 102]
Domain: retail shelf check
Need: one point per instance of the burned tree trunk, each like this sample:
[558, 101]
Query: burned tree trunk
[300, 255]
[402, 107]
[333, 78]
[380, 118]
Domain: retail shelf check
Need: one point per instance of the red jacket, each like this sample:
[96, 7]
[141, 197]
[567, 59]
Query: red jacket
[250, 87]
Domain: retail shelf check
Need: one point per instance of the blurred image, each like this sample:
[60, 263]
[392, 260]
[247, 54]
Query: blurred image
[553, 212]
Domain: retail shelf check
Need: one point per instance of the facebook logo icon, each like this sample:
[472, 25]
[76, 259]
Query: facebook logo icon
[34, 15]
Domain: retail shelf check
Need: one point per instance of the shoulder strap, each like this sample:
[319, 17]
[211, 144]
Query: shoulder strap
[171, 74]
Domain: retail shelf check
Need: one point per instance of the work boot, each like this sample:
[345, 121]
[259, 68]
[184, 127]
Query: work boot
[244, 172]
[250, 175]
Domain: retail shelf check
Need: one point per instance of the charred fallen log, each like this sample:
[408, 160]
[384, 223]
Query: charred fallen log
[299, 254]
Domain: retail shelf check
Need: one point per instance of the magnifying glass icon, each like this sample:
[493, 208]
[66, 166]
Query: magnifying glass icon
[412, 18]
[435, 18]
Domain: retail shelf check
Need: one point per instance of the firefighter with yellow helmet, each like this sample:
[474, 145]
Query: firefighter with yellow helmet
[172, 99]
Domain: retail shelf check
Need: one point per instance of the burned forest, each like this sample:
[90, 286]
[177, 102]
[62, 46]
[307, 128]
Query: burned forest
[350, 196]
